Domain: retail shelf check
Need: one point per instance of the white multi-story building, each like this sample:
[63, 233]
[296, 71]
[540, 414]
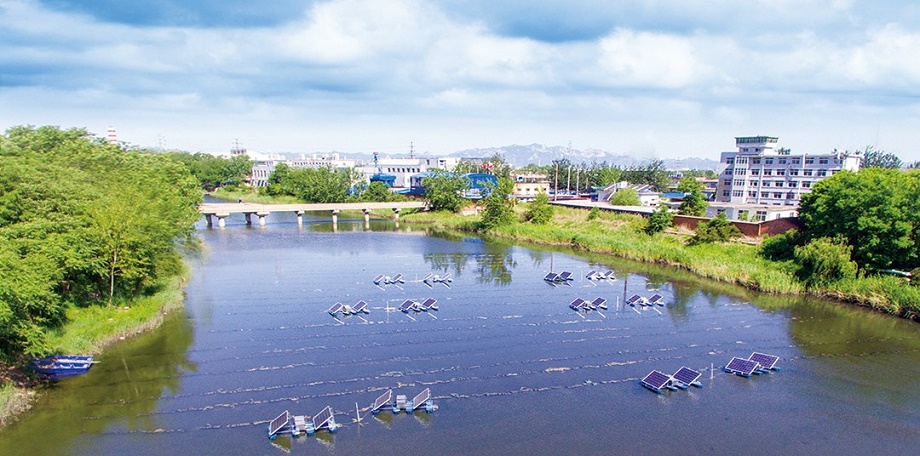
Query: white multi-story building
[262, 168]
[762, 174]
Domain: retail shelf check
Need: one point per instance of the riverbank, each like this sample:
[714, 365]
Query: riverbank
[88, 331]
[621, 235]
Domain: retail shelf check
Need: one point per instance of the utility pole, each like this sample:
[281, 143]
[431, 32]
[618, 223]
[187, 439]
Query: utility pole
[556, 183]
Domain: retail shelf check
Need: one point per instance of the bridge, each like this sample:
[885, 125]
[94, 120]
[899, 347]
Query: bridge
[223, 210]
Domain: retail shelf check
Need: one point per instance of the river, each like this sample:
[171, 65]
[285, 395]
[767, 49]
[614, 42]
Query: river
[511, 368]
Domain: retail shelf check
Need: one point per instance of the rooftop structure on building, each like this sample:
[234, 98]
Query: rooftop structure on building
[761, 173]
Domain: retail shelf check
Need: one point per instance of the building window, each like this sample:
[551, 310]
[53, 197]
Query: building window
[796, 161]
[806, 184]
[768, 161]
[752, 183]
[781, 172]
[807, 172]
[768, 172]
[764, 194]
[727, 182]
[760, 216]
[782, 161]
[790, 195]
[728, 172]
[777, 195]
[793, 172]
[739, 182]
[741, 161]
[752, 194]
[755, 172]
[809, 161]
[725, 193]
[755, 161]
[822, 161]
[737, 193]
[740, 172]
[793, 184]
[766, 183]
[822, 172]
[729, 160]
[778, 184]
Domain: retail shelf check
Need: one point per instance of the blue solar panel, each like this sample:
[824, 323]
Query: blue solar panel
[599, 302]
[577, 304]
[406, 305]
[766, 361]
[656, 380]
[361, 306]
[322, 417]
[686, 375]
[384, 399]
[741, 366]
[398, 278]
[446, 278]
[420, 399]
[609, 275]
[335, 308]
[633, 299]
[564, 275]
[430, 303]
[428, 277]
[278, 423]
[656, 299]
[550, 277]
[379, 279]
[591, 275]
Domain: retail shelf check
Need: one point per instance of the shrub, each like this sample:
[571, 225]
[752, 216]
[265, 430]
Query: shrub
[595, 213]
[718, 229]
[626, 197]
[540, 211]
[781, 247]
[660, 220]
[825, 260]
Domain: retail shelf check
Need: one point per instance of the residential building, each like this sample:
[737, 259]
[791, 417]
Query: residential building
[528, 186]
[262, 168]
[648, 197]
[760, 173]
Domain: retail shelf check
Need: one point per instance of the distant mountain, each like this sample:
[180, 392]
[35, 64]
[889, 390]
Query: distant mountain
[544, 155]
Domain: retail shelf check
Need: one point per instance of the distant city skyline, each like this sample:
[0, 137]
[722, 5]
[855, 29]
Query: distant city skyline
[655, 79]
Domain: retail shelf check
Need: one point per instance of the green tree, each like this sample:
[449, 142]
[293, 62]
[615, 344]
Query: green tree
[625, 197]
[781, 247]
[444, 191]
[378, 191]
[539, 211]
[719, 229]
[654, 174]
[875, 210]
[694, 202]
[498, 210]
[873, 158]
[660, 220]
[824, 260]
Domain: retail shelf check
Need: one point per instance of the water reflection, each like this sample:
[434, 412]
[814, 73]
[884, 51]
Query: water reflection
[121, 391]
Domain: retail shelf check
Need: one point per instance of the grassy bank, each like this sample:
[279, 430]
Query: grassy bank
[621, 235]
[88, 331]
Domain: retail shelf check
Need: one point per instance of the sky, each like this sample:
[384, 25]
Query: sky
[651, 79]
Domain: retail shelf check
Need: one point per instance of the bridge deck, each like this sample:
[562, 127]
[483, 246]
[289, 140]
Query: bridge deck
[251, 208]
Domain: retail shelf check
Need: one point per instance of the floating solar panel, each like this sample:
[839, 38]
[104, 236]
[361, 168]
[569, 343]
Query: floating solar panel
[430, 304]
[322, 417]
[656, 299]
[446, 278]
[577, 304]
[634, 299]
[278, 423]
[337, 307]
[766, 361]
[741, 366]
[420, 399]
[656, 380]
[428, 277]
[687, 376]
[591, 275]
[361, 306]
[564, 275]
[384, 399]
[599, 302]
[406, 305]
[550, 277]
[379, 279]
[398, 278]
[609, 275]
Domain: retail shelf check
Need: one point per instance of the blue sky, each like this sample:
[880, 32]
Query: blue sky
[655, 79]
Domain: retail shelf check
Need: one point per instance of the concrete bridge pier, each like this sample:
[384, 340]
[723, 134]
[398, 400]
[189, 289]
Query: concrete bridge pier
[396, 214]
[299, 218]
[367, 219]
[335, 220]
[262, 216]
[220, 219]
[248, 216]
[208, 218]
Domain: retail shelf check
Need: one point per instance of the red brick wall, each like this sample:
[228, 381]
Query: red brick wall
[751, 229]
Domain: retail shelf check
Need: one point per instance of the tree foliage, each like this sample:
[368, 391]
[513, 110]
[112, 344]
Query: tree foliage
[312, 185]
[875, 210]
[694, 202]
[379, 192]
[213, 171]
[873, 158]
[539, 211]
[498, 210]
[444, 191]
[659, 221]
[82, 222]
[781, 247]
[654, 174]
[824, 260]
[718, 229]
[625, 197]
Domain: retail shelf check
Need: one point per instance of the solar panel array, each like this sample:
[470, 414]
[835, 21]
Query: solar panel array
[687, 375]
[322, 417]
[656, 299]
[406, 305]
[765, 361]
[550, 277]
[633, 299]
[656, 379]
[608, 275]
[384, 399]
[379, 279]
[592, 275]
[742, 366]
[599, 302]
[430, 303]
[278, 423]
[361, 306]
[564, 275]
[420, 399]
[577, 304]
[335, 308]
[398, 278]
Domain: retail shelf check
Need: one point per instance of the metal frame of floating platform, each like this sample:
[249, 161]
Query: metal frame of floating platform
[656, 380]
[686, 376]
[742, 367]
[766, 362]
[400, 403]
